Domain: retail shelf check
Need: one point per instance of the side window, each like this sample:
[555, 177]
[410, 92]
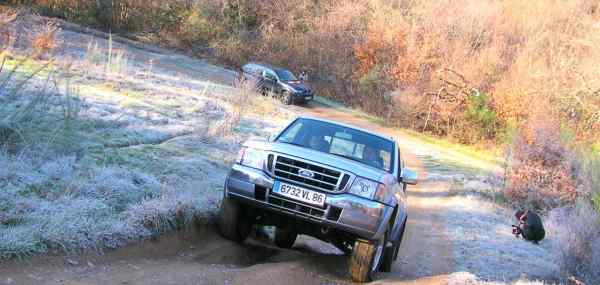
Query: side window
[256, 70]
[291, 133]
[269, 74]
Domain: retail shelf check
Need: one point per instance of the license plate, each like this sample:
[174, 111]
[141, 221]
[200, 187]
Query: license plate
[299, 194]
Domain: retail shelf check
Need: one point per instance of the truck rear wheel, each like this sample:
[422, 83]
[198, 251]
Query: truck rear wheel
[387, 260]
[233, 223]
[391, 252]
[285, 238]
[366, 259]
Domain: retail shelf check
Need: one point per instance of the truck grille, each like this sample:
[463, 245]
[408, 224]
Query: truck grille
[317, 213]
[322, 178]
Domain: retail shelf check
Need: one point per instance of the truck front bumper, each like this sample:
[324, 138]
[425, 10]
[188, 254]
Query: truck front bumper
[362, 217]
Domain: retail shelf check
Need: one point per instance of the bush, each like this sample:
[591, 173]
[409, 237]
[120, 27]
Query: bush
[575, 230]
[540, 174]
[45, 41]
[483, 116]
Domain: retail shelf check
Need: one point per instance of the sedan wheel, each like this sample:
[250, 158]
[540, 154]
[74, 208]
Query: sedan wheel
[286, 97]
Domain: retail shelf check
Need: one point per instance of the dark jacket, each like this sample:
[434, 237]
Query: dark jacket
[532, 228]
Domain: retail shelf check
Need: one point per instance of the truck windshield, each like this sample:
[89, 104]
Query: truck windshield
[285, 75]
[350, 143]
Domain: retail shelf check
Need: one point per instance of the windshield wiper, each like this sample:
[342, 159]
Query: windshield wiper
[347, 157]
[292, 143]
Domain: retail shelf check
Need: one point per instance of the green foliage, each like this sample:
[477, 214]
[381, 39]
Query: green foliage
[481, 114]
[302, 26]
[596, 200]
[596, 149]
[369, 82]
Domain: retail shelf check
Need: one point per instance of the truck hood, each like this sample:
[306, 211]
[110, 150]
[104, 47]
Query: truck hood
[334, 161]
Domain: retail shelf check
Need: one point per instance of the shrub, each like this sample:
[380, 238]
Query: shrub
[482, 115]
[44, 41]
[540, 174]
[576, 235]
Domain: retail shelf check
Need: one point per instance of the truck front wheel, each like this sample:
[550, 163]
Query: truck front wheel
[285, 238]
[366, 259]
[233, 223]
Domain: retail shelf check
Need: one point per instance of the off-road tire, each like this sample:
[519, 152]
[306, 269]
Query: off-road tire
[390, 253]
[285, 238]
[233, 224]
[286, 98]
[361, 261]
[397, 249]
[387, 259]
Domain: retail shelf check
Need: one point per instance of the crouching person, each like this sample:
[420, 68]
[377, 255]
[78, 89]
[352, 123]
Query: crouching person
[530, 226]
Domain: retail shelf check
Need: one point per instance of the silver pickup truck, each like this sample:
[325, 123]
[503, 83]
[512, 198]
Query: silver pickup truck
[336, 182]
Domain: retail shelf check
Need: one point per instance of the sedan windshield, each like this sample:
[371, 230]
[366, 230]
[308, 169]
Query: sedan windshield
[342, 141]
[285, 75]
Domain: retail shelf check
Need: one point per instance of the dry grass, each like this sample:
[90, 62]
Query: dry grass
[577, 240]
[245, 102]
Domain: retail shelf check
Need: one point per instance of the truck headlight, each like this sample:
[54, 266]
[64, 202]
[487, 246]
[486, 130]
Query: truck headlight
[251, 157]
[367, 188]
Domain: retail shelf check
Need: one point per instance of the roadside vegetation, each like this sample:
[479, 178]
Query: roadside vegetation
[519, 76]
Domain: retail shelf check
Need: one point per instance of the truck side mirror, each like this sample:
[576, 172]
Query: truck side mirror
[409, 176]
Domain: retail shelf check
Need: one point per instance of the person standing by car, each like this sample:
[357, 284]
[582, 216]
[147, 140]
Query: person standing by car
[303, 76]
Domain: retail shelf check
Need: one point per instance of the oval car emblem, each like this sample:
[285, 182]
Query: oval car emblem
[306, 173]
